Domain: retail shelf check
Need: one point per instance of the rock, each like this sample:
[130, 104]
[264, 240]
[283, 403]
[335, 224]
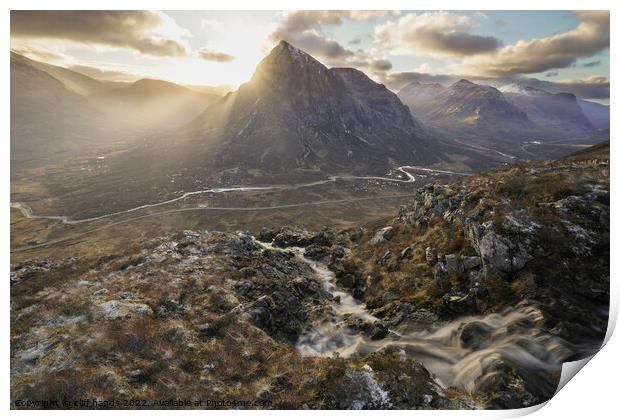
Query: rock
[378, 331]
[206, 330]
[317, 252]
[293, 236]
[431, 255]
[267, 235]
[280, 314]
[359, 390]
[406, 252]
[382, 235]
[471, 262]
[385, 257]
[115, 309]
[458, 304]
[499, 254]
[244, 243]
[389, 296]
[339, 251]
[348, 281]
[126, 295]
[453, 264]
[475, 335]
[244, 287]
[137, 376]
[441, 274]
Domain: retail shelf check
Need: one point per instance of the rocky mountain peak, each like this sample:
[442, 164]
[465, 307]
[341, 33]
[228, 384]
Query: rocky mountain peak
[287, 63]
[463, 83]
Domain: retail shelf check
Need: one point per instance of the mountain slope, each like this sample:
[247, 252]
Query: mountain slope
[597, 114]
[297, 113]
[47, 118]
[71, 80]
[559, 111]
[154, 104]
[463, 102]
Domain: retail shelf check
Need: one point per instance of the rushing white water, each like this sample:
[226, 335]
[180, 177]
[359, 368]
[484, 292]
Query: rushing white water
[469, 352]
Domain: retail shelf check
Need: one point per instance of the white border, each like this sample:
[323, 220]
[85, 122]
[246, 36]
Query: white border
[593, 395]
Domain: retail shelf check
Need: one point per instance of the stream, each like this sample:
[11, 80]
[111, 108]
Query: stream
[470, 352]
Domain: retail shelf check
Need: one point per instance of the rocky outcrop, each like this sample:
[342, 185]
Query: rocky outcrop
[382, 235]
[115, 309]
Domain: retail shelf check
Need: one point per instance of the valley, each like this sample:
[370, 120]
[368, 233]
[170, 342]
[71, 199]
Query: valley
[312, 239]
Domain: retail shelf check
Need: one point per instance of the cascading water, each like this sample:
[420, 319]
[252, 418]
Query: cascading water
[469, 352]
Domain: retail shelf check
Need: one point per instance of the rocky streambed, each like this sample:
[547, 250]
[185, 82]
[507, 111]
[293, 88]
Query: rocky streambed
[474, 353]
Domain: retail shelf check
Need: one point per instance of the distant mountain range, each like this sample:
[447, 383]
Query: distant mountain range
[294, 114]
[510, 113]
[57, 112]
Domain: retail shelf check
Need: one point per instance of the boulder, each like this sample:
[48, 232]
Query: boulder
[499, 254]
[441, 274]
[382, 235]
[453, 264]
[280, 315]
[471, 262]
[290, 236]
[267, 235]
[115, 309]
[431, 255]
[406, 252]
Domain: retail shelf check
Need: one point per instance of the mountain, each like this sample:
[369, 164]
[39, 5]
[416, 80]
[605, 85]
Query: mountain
[507, 116]
[462, 103]
[154, 104]
[57, 113]
[598, 114]
[47, 117]
[296, 113]
[553, 111]
[71, 80]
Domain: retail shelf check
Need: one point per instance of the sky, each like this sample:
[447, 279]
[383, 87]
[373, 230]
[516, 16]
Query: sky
[553, 50]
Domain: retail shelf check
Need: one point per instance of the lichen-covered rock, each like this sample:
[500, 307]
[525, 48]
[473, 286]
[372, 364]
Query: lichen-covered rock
[382, 235]
[115, 309]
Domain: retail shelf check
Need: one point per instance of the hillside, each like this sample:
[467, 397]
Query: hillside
[471, 297]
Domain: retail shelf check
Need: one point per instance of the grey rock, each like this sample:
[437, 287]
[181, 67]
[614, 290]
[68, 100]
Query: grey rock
[389, 296]
[115, 309]
[431, 255]
[406, 253]
[471, 262]
[441, 274]
[453, 264]
[382, 235]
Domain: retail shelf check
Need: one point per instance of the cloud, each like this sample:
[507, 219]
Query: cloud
[150, 33]
[436, 33]
[591, 63]
[211, 55]
[304, 30]
[590, 88]
[551, 74]
[355, 41]
[105, 74]
[552, 52]
[380, 65]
